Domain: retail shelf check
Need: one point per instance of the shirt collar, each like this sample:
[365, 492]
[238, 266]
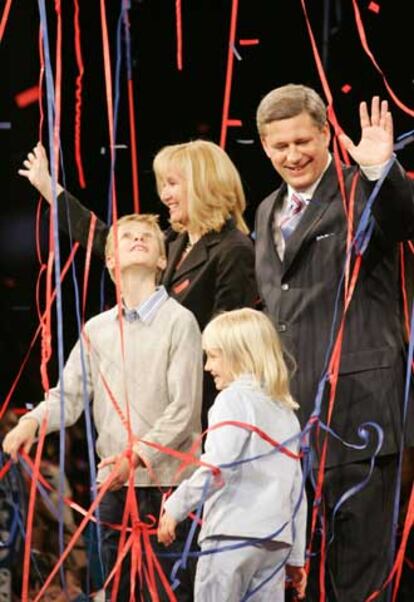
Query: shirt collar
[146, 310]
[247, 380]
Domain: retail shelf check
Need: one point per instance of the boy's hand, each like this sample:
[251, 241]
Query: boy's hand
[37, 172]
[122, 468]
[166, 529]
[298, 577]
[23, 434]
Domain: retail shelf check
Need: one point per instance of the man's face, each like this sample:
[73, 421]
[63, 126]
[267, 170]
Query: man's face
[137, 246]
[298, 149]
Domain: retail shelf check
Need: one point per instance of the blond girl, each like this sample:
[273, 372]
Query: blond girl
[254, 520]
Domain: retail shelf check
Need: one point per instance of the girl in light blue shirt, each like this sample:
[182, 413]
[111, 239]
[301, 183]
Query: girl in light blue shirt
[254, 518]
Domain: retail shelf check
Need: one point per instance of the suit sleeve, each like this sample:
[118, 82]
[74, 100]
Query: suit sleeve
[223, 446]
[75, 219]
[393, 209]
[235, 278]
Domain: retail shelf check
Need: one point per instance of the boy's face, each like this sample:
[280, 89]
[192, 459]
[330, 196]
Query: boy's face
[137, 246]
[217, 366]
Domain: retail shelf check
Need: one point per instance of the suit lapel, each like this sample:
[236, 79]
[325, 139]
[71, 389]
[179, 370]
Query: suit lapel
[175, 251]
[196, 257]
[269, 218]
[268, 263]
[313, 213]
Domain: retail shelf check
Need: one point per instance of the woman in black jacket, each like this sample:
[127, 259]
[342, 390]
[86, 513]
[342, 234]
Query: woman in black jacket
[210, 257]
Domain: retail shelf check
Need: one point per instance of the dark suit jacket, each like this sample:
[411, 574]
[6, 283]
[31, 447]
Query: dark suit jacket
[300, 293]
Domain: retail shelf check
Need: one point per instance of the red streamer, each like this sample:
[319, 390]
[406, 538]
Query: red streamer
[363, 38]
[252, 42]
[78, 96]
[4, 18]
[27, 97]
[133, 142]
[179, 31]
[38, 331]
[229, 74]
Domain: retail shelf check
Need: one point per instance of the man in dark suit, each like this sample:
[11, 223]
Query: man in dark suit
[305, 259]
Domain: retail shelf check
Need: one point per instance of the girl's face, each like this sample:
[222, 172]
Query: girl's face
[218, 368]
[174, 195]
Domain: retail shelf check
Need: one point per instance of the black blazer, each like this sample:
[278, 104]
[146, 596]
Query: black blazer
[300, 294]
[218, 274]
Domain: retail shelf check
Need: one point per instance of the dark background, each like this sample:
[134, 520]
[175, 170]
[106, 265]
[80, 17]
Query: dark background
[171, 106]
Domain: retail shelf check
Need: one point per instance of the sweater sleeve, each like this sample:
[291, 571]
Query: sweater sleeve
[176, 424]
[75, 387]
[393, 208]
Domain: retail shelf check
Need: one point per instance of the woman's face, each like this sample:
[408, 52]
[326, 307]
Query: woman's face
[174, 196]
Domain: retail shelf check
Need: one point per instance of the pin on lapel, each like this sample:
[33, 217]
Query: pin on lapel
[181, 286]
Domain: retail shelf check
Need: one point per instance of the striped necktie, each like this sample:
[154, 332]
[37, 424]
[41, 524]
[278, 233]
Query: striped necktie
[292, 216]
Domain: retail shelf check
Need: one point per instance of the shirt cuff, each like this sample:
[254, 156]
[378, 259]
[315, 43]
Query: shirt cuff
[374, 172]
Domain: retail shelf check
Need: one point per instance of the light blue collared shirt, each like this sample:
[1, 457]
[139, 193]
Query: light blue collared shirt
[147, 309]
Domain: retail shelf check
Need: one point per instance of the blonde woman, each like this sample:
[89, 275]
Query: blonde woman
[210, 257]
[254, 518]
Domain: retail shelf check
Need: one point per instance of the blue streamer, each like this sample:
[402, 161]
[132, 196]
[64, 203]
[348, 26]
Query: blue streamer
[50, 120]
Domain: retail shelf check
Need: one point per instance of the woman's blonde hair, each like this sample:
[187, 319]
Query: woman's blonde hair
[213, 184]
[150, 220]
[250, 345]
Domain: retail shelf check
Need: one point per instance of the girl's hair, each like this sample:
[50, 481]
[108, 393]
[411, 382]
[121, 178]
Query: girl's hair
[213, 184]
[250, 345]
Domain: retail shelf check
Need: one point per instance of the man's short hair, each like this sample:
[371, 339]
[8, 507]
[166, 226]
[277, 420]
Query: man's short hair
[289, 101]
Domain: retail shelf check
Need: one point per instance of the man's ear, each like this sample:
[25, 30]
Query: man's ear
[327, 132]
[264, 145]
[162, 263]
